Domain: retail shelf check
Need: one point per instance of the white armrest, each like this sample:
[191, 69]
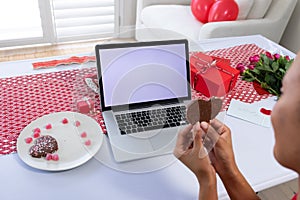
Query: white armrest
[271, 26]
[263, 27]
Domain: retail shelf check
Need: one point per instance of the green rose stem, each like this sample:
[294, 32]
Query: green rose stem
[262, 84]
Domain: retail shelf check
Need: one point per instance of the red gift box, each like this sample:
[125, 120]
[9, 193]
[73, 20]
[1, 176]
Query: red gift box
[85, 105]
[212, 76]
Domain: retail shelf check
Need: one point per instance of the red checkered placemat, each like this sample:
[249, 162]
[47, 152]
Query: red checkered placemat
[26, 98]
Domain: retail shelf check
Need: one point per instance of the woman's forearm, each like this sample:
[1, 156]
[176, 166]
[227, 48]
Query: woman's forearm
[237, 186]
[208, 191]
[208, 187]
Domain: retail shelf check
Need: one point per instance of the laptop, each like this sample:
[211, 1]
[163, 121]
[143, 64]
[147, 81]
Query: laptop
[144, 87]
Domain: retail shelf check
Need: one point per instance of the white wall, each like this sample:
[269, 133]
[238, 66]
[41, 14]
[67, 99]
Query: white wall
[291, 36]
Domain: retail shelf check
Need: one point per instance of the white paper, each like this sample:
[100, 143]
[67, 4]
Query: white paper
[251, 111]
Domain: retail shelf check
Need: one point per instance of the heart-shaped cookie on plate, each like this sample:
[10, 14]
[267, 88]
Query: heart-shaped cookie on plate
[42, 146]
[201, 110]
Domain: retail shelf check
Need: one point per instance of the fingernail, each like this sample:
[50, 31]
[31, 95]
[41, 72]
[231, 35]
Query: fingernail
[204, 125]
[203, 152]
[197, 126]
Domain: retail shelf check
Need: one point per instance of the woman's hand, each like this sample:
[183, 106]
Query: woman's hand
[222, 156]
[190, 151]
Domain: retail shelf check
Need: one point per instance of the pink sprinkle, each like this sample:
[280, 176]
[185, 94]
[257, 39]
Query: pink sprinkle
[88, 142]
[77, 123]
[28, 140]
[49, 156]
[37, 130]
[48, 126]
[55, 157]
[83, 135]
[65, 121]
[36, 134]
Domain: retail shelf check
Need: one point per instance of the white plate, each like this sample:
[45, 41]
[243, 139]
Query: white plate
[72, 148]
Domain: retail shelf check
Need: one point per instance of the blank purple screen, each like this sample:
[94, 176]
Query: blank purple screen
[143, 74]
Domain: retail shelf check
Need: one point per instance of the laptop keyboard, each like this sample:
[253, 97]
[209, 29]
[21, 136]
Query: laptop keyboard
[151, 119]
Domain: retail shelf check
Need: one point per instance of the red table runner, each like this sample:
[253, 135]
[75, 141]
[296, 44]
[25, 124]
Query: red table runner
[26, 98]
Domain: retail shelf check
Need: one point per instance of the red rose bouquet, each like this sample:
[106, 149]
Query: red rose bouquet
[267, 70]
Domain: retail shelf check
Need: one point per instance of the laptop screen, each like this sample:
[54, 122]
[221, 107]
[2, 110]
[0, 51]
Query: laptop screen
[143, 72]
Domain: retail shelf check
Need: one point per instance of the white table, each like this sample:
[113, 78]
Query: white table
[253, 147]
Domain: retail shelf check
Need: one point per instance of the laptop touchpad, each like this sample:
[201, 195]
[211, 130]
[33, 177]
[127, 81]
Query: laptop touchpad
[166, 139]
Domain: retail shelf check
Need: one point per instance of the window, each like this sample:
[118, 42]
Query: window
[52, 21]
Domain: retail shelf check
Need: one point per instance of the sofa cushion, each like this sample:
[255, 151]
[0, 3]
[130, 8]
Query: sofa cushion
[259, 9]
[244, 8]
[177, 18]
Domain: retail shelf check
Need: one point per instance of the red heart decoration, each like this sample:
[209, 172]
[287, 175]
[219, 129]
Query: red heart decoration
[223, 10]
[265, 111]
[200, 9]
[259, 89]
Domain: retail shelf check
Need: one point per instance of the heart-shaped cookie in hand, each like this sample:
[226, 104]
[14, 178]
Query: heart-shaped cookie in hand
[201, 110]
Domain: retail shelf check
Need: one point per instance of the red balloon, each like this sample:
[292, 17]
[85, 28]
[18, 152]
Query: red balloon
[223, 10]
[200, 9]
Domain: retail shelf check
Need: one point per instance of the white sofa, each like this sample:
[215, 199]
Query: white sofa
[166, 18]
